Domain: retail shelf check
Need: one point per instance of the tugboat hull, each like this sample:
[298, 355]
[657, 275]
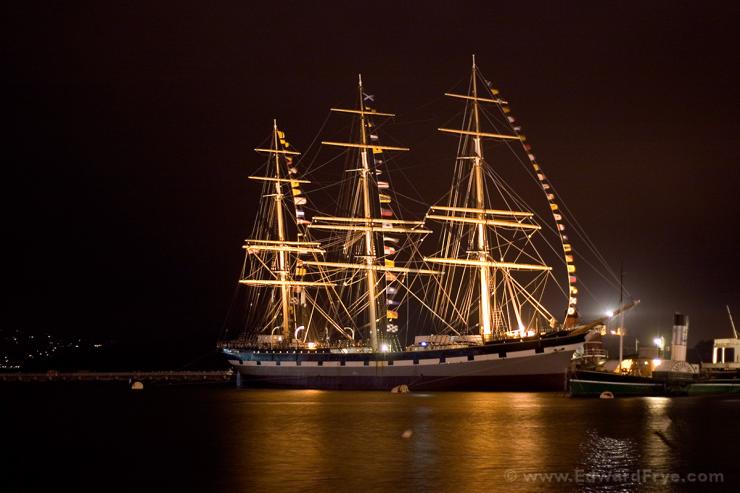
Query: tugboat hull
[593, 384]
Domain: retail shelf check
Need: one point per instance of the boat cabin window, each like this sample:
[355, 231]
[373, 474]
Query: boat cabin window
[729, 356]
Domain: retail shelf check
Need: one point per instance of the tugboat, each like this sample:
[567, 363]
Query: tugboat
[649, 374]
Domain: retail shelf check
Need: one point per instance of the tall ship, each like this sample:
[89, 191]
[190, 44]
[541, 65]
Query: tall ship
[364, 298]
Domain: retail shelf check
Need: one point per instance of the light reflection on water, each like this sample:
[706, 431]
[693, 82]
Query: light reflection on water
[229, 440]
[605, 457]
[460, 441]
[610, 463]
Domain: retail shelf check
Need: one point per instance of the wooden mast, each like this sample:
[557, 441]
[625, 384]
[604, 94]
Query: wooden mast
[275, 273]
[368, 215]
[364, 221]
[484, 306]
[479, 217]
[282, 272]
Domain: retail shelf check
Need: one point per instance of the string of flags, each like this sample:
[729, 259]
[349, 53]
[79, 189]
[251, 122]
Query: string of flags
[554, 208]
[389, 242]
[299, 201]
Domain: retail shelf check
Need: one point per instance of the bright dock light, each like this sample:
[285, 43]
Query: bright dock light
[659, 342]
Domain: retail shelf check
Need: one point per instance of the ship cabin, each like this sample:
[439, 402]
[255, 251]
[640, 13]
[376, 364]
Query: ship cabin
[725, 356]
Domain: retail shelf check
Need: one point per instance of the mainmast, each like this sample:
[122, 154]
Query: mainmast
[368, 215]
[364, 220]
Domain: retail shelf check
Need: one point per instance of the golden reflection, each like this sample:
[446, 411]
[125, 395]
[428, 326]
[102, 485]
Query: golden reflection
[606, 457]
[486, 434]
[447, 441]
[657, 448]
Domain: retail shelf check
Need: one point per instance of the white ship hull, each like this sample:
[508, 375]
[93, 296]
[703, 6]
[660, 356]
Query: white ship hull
[523, 368]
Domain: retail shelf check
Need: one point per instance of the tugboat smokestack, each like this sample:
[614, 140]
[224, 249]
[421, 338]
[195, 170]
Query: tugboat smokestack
[680, 336]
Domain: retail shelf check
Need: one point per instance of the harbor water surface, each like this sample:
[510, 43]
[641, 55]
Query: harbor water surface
[220, 439]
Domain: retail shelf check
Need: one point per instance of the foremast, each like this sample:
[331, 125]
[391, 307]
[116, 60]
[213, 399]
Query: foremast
[494, 274]
[484, 309]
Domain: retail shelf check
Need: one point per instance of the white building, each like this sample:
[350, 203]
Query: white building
[725, 355]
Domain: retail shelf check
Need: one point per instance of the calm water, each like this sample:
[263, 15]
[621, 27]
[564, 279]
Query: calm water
[220, 439]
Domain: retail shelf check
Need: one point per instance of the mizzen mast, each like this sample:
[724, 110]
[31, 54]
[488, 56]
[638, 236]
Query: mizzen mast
[281, 247]
[282, 267]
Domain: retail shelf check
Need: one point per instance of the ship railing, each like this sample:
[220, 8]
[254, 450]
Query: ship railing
[291, 346]
[594, 352]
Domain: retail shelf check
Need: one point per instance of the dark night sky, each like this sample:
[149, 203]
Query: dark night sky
[129, 128]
